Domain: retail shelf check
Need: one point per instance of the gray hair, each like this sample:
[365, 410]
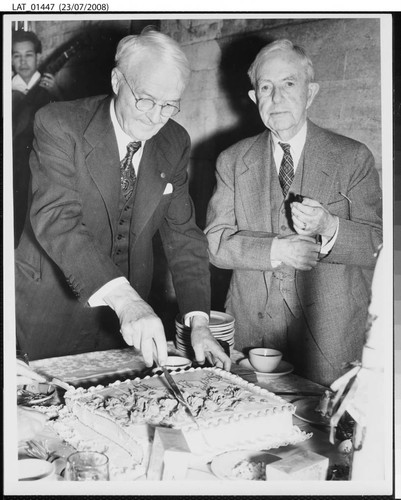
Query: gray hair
[281, 44]
[152, 41]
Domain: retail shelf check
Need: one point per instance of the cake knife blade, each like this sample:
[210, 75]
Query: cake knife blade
[178, 394]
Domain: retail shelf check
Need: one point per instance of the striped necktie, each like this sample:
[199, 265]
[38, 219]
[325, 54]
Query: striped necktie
[127, 171]
[286, 174]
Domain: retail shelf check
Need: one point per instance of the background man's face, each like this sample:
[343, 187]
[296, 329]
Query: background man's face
[155, 80]
[24, 60]
[283, 93]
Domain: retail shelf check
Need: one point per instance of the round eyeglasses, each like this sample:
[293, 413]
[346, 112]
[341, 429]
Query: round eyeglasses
[146, 104]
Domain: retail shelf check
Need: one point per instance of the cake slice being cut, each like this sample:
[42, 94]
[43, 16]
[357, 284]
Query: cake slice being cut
[230, 412]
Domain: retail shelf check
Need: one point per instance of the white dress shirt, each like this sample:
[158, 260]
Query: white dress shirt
[297, 144]
[17, 83]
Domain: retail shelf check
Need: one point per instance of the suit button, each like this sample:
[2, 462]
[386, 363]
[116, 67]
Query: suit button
[120, 237]
[260, 315]
[121, 222]
[284, 228]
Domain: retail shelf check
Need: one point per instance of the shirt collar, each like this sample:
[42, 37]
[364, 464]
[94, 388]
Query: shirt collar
[19, 84]
[122, 138]
[297, 142]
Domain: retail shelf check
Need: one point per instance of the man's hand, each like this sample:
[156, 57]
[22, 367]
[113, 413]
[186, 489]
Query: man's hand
[299, 252]
[139, 325]
[310, 218]
[48, 81]
[206, 346]
[26, 376]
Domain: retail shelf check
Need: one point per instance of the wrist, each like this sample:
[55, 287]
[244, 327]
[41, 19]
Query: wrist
[120, 296]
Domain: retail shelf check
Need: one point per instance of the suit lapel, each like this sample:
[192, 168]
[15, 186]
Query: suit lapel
[320, 166]
[154, 173]
[102, 158]
[254, 174]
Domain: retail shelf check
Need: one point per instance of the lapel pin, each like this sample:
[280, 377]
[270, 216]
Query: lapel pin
[162, 175]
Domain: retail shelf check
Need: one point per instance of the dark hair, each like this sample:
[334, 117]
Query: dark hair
[28, 36]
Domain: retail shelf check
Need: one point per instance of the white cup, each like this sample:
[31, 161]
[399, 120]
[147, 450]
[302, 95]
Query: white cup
[264, 360]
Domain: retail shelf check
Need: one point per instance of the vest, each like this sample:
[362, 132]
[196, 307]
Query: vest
[121, 244]
[283, 278]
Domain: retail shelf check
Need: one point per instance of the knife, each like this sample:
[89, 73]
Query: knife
[178, 394]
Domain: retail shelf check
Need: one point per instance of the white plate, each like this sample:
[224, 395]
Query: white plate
[222, 465]
[199, 475]
[34, 469]
[216, 318]
[305, 409]
[283, 368]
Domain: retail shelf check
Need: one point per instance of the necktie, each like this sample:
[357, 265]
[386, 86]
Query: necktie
[127, 171]
[286, 174]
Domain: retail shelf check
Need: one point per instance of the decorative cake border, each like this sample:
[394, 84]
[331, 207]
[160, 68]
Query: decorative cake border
[77, 393]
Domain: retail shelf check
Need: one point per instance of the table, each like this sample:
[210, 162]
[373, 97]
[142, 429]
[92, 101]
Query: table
[104, 367]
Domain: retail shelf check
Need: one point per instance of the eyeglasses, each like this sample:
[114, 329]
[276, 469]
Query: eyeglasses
[145, 104]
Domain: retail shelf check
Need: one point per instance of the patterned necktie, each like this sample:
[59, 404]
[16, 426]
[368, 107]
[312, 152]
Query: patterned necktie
[127, 171]
[286, 174]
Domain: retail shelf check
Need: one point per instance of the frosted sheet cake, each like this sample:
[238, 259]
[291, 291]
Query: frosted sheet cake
[231, 413]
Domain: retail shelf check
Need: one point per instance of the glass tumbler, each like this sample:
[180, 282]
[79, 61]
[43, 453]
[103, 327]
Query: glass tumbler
[87, 466]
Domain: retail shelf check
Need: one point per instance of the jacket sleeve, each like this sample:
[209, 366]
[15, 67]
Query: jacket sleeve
[360, 229]
[56, 210]
[230, 246]
[184, 243]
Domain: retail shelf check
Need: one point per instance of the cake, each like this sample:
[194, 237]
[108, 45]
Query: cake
[229, 411]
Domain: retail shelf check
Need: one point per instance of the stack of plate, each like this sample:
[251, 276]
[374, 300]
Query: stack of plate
[221, 326]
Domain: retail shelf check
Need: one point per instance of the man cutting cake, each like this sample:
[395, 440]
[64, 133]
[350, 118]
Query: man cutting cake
[108, 173]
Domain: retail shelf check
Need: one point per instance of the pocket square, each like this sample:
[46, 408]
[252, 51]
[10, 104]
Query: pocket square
[168, 189]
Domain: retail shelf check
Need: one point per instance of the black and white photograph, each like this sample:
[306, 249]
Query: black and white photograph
[198, 252]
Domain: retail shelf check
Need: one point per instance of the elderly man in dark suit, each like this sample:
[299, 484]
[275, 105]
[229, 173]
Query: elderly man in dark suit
[107, 174]
[302, 265]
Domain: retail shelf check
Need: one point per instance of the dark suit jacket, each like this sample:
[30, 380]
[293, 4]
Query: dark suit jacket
[335, 295]
[65, 252]
[24, 108]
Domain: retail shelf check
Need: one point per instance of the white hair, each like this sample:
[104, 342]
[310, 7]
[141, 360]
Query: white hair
[152, 42]
[281, 44]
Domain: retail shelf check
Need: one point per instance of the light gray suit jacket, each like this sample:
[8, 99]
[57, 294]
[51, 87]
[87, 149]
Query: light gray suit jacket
[338, 172]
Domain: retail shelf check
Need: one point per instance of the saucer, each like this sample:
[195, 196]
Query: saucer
[283, 368]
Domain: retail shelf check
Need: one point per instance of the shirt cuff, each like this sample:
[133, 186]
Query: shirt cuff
[327, 244]
[97, 299]
[187, 319]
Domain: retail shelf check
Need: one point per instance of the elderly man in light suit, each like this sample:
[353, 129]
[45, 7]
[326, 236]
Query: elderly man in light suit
[108, 172]
[302, 265]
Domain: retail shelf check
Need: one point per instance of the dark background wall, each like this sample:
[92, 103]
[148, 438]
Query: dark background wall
[216, 110]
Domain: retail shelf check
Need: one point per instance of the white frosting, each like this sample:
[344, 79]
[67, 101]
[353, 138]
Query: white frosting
[231, 412]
